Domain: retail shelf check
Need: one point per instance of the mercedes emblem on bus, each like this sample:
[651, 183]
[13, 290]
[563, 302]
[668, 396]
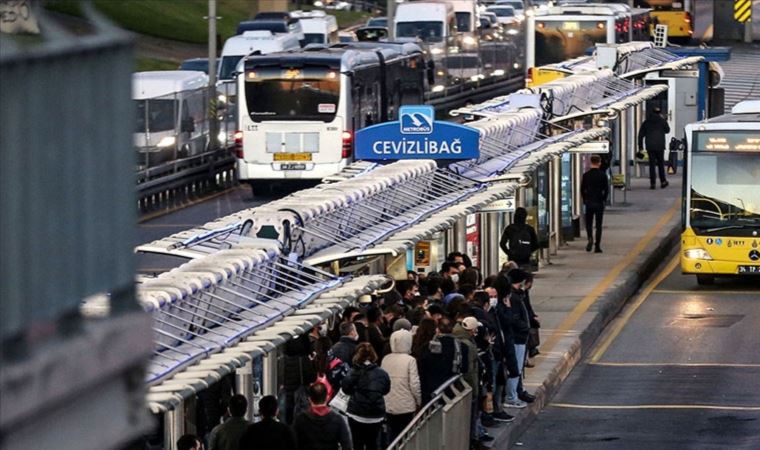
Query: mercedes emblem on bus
[754, 255]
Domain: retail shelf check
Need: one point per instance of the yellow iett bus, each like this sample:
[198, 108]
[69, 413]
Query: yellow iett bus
[721, 207]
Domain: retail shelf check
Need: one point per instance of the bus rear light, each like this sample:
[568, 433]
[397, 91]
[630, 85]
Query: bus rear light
[348, 144]
[238, 149]
[687, 18]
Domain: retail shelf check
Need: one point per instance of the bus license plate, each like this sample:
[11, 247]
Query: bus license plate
[292, 166]
[749, 269]
[292, 156]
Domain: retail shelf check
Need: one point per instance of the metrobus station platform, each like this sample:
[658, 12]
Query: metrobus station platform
[578, 293]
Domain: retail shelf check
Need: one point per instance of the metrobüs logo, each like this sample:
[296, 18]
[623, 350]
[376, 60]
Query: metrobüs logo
[416, 119]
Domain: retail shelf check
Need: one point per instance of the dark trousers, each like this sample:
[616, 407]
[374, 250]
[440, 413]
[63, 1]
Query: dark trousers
[594, 216]
[397, 423]
[656, 158]
[365, 435]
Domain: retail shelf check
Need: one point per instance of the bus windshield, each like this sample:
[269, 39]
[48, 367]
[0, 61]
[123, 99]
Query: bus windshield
[227, 66]
[314, 38]
[724, 194]
[304, 93]
[160, 115]
[427, 31]
[559, 40]
[463, 21]
[660, 5]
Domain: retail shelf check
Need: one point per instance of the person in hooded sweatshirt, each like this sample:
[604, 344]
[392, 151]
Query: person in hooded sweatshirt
[321, 428]
[367, 385]
[519, 239]
[405, 396]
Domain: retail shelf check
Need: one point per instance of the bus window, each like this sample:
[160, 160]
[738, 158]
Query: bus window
[560, 40]
[309, 93]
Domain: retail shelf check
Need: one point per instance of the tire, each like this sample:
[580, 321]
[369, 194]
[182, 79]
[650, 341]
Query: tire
[705, 280]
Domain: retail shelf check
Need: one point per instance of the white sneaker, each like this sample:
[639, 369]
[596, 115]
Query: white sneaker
[516, 403]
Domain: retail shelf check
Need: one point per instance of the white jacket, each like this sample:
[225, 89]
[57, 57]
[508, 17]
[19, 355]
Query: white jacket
[405, 395]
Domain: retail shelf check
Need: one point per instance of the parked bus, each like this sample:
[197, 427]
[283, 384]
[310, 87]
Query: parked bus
[721, 208]
[567, 31]
[298, 110]
[686, 19]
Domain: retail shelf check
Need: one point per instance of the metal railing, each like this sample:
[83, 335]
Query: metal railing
[443, 423]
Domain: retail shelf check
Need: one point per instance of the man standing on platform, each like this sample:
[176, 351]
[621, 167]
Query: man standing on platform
[595, 189]
[652, 132]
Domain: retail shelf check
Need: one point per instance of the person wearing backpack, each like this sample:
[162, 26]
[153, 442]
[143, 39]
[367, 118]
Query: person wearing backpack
[405, 396]
[519, 239]
[443, 358]
[366, 384]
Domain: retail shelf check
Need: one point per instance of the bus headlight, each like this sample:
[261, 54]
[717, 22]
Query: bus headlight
[166, 141]
[469, 40]
[512, 32]
[697, 253]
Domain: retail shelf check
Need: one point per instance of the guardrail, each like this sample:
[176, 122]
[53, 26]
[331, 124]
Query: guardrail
[183, 178]
[438, 425]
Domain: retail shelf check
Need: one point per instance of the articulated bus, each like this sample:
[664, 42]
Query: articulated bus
[686, 19]
[721, 208]
[566, 31]
[298, 110]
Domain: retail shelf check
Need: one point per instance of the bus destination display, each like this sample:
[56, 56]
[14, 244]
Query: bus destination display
[727, 141]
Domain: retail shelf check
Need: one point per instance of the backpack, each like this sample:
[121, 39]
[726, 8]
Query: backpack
[336, 371]
[519, 244]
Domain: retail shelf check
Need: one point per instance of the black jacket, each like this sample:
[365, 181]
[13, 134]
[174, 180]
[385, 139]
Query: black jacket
[315, 432]
[437, 364]
[595, 187]
[344, 349]
[268, 434]
[520, 317]
[510, 231]
[653, 131]
[367, 385]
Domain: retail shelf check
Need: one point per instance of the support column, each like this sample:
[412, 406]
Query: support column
[460, 235]
[493, 236]
[577, 205]
[269, 381]
[555, 202]
[244, 386]
[174, 426]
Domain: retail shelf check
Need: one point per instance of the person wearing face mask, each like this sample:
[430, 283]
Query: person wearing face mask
[516, 396]
[450, 270]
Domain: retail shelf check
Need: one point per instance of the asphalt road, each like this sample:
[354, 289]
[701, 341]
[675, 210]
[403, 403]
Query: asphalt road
[165, 223]
[678, 369]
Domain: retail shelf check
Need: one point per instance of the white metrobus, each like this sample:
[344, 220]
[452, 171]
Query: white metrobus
[298, 110]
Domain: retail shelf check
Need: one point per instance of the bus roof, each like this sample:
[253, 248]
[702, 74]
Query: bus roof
[344, 59]
[159, 83]
[747, 111]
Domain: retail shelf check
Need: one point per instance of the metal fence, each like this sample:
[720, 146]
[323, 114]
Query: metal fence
[442, 424]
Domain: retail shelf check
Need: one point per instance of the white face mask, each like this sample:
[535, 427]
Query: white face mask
[492, 301]
[455, 278]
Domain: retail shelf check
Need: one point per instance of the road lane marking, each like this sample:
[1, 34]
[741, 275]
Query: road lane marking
[591, 298]
[667, 364]
[656, 406]
[618, 325]
[713, 292]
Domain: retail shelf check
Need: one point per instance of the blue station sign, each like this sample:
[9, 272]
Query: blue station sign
[417, 135]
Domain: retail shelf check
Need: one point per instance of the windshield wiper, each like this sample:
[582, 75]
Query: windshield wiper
[728, 227]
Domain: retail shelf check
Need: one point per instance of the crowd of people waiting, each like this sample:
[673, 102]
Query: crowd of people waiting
[384, 359]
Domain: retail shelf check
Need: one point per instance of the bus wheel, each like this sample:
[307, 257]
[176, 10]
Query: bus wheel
[704, 280]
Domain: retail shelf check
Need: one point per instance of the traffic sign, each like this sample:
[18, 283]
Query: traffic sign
[417, 135]
[742, 10]
[504, 205]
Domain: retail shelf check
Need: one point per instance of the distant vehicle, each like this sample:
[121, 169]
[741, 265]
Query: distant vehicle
[433, 23]
[505, 14]
[686, 19]
[378, 22]
[171, 115]
[371, 34]
[318, 27]
[466, 14]
[273, 15]
[464, 67]
[517, 5]
[345, 36]
[491, 18]
[260, 41]
[197, 64]
[298, 111]
[275, 26]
